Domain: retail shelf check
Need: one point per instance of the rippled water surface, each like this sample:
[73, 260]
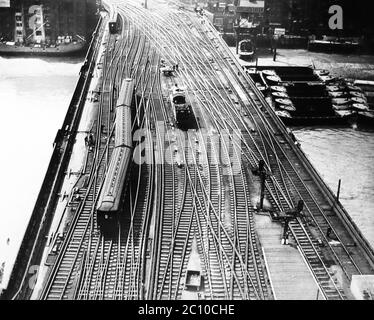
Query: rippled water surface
[34, 97]
[346, 154]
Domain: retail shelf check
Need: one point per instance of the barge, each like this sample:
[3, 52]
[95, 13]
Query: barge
[306, 96]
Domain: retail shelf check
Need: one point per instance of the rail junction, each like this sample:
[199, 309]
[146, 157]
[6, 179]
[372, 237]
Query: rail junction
[188, 224]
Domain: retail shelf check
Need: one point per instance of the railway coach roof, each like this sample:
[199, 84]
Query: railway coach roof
[126, 93]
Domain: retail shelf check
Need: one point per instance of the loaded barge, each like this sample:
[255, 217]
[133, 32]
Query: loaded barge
[302, 95]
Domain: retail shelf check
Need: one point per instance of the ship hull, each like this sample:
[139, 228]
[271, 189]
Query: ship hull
[62, 50]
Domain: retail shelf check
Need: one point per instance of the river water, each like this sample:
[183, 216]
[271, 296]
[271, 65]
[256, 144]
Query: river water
[346, 154]
[34, 97]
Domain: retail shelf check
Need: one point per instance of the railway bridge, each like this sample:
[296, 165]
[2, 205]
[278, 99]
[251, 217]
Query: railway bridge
[191, 224]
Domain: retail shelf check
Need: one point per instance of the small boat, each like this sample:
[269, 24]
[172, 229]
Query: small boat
[285, 104]
[360, 107]
[278, 88]
[269, 72]
[357, 94]
[321, 72]
[274, 78]
[339, 101]
[327, 78]
[341, 107]
[278, 94]
[353, 88]
[260, 86]
[283, 114]
[287, 107]
[337, 94]
[284, 101]
[344, 113]
[335, 88]
[359, 100]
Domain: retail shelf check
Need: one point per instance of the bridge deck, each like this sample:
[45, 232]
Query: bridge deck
[201, 190]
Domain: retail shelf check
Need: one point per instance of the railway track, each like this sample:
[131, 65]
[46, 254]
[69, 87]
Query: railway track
[88, 265]
[304, 239]
[174, 231]
[194, 199]
[238, 194]
[133, 271]
[61, 281]
[285, 187]
[287, 175]
[204, 198]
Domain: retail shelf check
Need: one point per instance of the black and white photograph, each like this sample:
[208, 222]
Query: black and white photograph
[197, 152]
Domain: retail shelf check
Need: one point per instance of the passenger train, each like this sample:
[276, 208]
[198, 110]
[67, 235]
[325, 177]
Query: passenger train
[113, 189]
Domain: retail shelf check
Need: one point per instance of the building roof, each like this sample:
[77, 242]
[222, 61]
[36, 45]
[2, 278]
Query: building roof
[251, 3]
[4, 3]
[221, 7]
[250, 6]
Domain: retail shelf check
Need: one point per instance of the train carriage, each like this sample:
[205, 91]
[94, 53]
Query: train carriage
[112, 190]
[112, 193]
[126, 93]
[123, 133]
[123, 136]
